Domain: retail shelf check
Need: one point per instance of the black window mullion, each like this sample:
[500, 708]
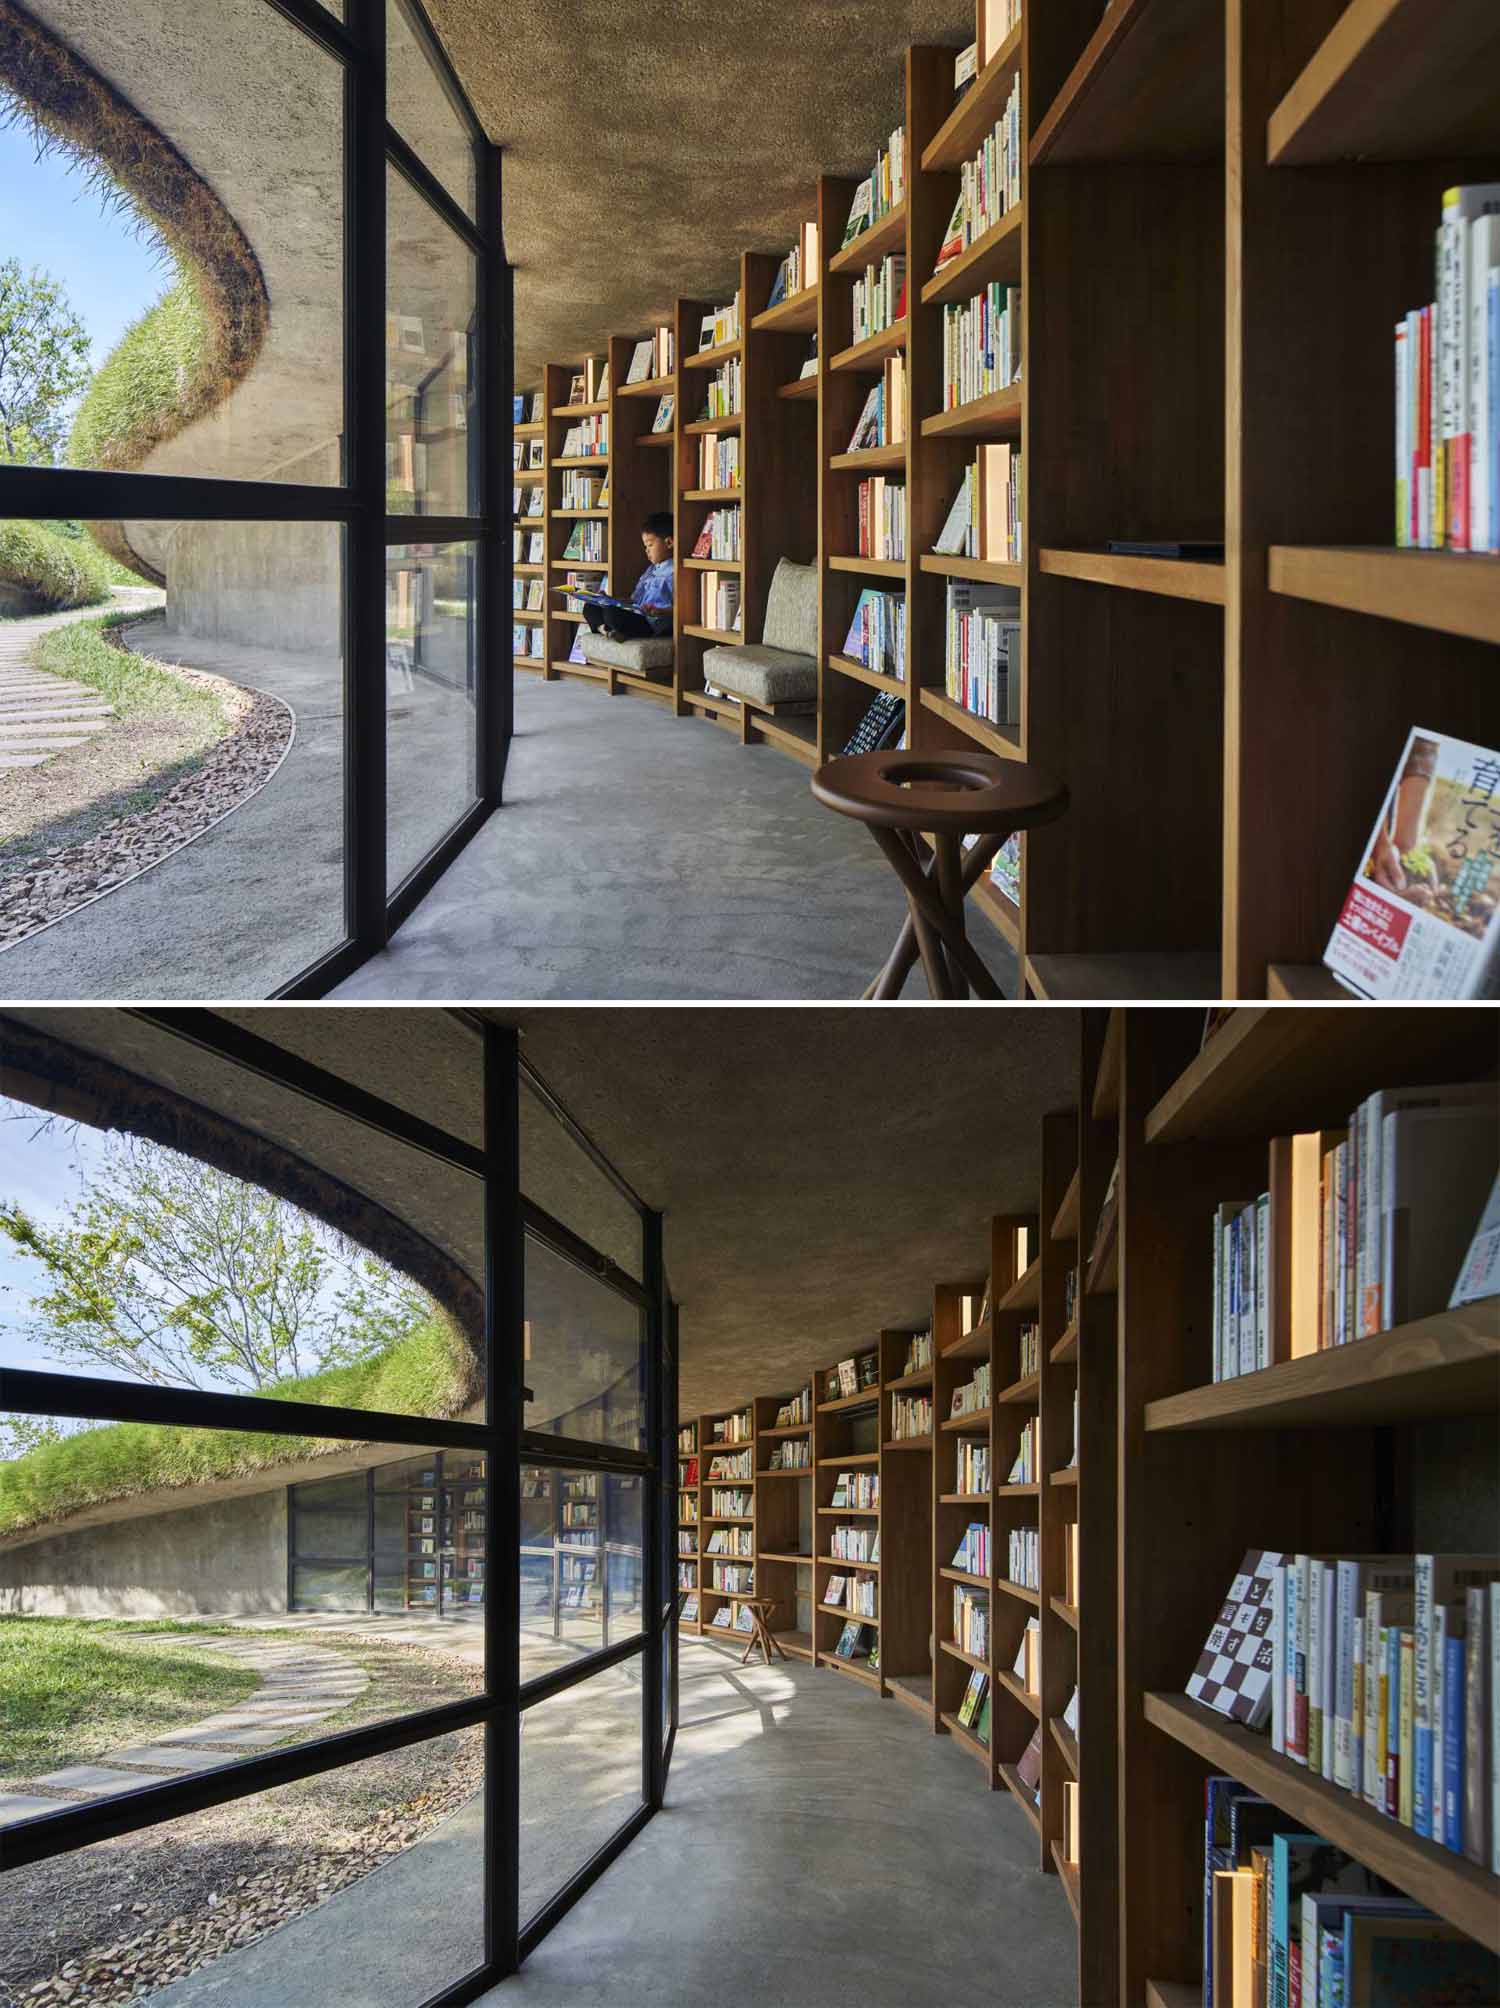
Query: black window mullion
[651, 1526]
[92, 493]
[410, 166]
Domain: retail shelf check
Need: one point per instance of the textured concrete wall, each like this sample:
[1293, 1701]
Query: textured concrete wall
[224, 1558]
[273, 585]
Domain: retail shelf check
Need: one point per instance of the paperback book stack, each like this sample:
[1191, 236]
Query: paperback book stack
[856, 1544]
[585, 543]
[982, 649]
[720, 535]
[689, 1605]
[881, 190]
[877, 633]
[587, 439]
[719, 601]
[857, 1491]
[882, 519]
[878, 298]
[590, 385]
[797, 1410]
[527, 408]
[733, 1504]
[882, 420]
[724, 397]
[527, 594]
[1023, 1565]
[981, 345]
[798, 269]
[730, 1541]
[972, 1473]
[719, 460]
[911, 1417]
[989, 184]
[737, 1428]
[687, 1576]
[728, 1576]
[974, 1396]
[1363, 1227]
[581, 491]
[971, 1621]
[1448, 387]
[793, 1456]
[1029, 1349]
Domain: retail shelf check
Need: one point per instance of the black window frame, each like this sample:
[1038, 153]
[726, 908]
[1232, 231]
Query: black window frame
[501, 1438]
[371, 145]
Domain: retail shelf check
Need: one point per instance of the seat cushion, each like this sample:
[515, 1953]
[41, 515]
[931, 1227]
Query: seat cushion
[763, 675]
[652, 651]
[792, 609]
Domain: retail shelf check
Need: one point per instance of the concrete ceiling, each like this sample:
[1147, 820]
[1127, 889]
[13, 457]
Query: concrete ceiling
[818, 1169]
[648, 144]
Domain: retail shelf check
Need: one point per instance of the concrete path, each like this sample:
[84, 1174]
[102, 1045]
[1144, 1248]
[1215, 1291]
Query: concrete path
[40, 714]
[300, 1686]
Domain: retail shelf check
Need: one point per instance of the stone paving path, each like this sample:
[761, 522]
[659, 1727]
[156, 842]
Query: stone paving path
[300, 1685]
[41, 714]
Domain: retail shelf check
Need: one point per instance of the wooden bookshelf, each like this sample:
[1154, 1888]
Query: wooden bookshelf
[958, 1354]
[688, 1578]
[741, 1526]
[846, 1440]
[1358, 1450]
[562, 626]
[906, 1521]
[786, 1528]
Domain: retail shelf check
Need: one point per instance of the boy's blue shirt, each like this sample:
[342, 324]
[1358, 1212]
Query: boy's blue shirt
[653, 589]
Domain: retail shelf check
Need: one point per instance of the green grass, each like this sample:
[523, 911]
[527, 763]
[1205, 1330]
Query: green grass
[135, 400]
[59, 569]
[72, 1689]
[431, 1372]
[132, 683]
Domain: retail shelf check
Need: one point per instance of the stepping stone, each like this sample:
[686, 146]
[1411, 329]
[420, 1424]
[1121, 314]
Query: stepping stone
[23, 759]
[97, 1780]
[51, 729]
[250, 1739]
[21, 1805]
[175, 1758]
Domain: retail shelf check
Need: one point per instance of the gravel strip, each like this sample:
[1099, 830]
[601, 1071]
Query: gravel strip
[56, 882]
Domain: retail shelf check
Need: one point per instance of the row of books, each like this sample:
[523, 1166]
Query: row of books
[985, 519]
[586, 439]
[525, 502]
[528, 407]
[851, 1376]
[1361, 1228]
[796, 1411]
[981, 344]
[528, 547]
[971, 1621]
[687, 1579]
[1023, 1565]
[720, 326]
[720, 534]
[989, 184]
[653, 356]
[1380, 1674]
[855, 1593]
[918, 1353]
[973, 1395]
[858, 1491]
[877, 633]
[982, 649]
[877, 299]
[974, 1708]
[687, 1475]
[972, 1466]
[730, 1577]
[719, 607]
[731, 1464]
[731, 1541]
[1027, 1468]
[911, 1417]
[687, 1541]
[972, 1554]
[882, 189]
[528, 639]
[855, 1544]
[1029, 1351]
[794, 1455]
[587, 542]
[583, 491]
[1290, 1921]
[883, 417]
[526, 593]
[735, 1505]
[719, 460]
[1027, 1665]
[724, 394]
[798, 269]
[1448, 387]
[882, 518]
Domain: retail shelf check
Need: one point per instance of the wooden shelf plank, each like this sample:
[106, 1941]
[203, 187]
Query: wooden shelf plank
[1012, 1686]
[865, 1397]
[1027, 1803]
[1444, 590]
[594, 410]
[1454, 1887]
[1065, 1220]
[995, 255]
[1446, 1364]
[996, 571]
[972, 1343]
[1173, 1994]
[871, 353]
[878, 568]
[1394, 80]
[975, 1423]
[800, 387]
[1069, 1476]
[921, 1378]
[1002, 739]
[964, 1576]
[956, 1651]
[713, 495]
[850, 1617]
[707, 359]
[1066, 1742]
[1181, 977]
[1066, 1611]
[714, 564]
[908, 1443]
[731, 421]
[1149, 85]
[963, 132]
[966, 1740]
[1020, 1591]
[722, 637]
[1170, 578]
[871, 458]
[649, 387]
[971, 1498]
[1067, 1346]
[1067, 1873]
[887, 233]
[849, 1666]
[997, 415]
[847, 666]
[1306, 983]
[853, 1457]
[799, 314]
[1025, 1294]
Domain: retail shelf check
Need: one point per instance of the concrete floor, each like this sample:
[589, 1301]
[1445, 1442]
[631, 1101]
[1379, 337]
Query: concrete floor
[818, 1849]
[642, 855]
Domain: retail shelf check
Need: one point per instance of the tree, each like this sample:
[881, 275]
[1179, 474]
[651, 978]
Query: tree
[44, 364]
[172, 1272]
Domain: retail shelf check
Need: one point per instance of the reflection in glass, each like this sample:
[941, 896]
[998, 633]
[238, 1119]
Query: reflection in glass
[580, 1777]
[561, 1178]
[581, 1557]
[431, 426]
[420, 109]
[430, 628]
[585, 1355]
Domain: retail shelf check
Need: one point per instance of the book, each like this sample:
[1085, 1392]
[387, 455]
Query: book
[955, 530]
[1437, 1167]
[641, 360]
[1406, 1958]
[1422, 917]
[663, 419]
[1200, 549]
[1233, 1674]
[1479, 1274]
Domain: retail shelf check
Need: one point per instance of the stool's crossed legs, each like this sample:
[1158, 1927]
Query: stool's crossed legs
[934, 925]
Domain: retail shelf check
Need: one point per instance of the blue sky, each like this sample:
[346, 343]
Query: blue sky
[51, 217]
[41, 1172]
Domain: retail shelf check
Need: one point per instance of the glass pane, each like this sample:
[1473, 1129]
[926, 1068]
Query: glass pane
[561, 1178]
[217, 354]
[418, 106]
[580, 1777]
[584, 1360]
[183, 738]
[580, 1564]
[431, 425]
[624, 1512]
[328, 1586]
[260, 1891]
[430, 636]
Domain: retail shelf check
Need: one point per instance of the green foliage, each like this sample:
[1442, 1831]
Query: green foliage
[132, 683]
[58, 571]
[137, 396]
[174, 1272]
[44, 352]
[432, 1371]
[73, 1689]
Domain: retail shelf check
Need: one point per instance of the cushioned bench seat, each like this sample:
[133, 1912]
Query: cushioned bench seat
[651, 652]
[763, 676]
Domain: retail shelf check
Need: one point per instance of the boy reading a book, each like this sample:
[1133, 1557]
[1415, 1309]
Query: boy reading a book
[650, 609]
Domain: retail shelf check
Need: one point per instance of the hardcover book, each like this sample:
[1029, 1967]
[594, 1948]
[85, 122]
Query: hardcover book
[1233, 1674]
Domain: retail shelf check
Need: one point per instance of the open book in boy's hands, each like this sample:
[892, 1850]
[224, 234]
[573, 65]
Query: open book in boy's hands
[594, 597]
